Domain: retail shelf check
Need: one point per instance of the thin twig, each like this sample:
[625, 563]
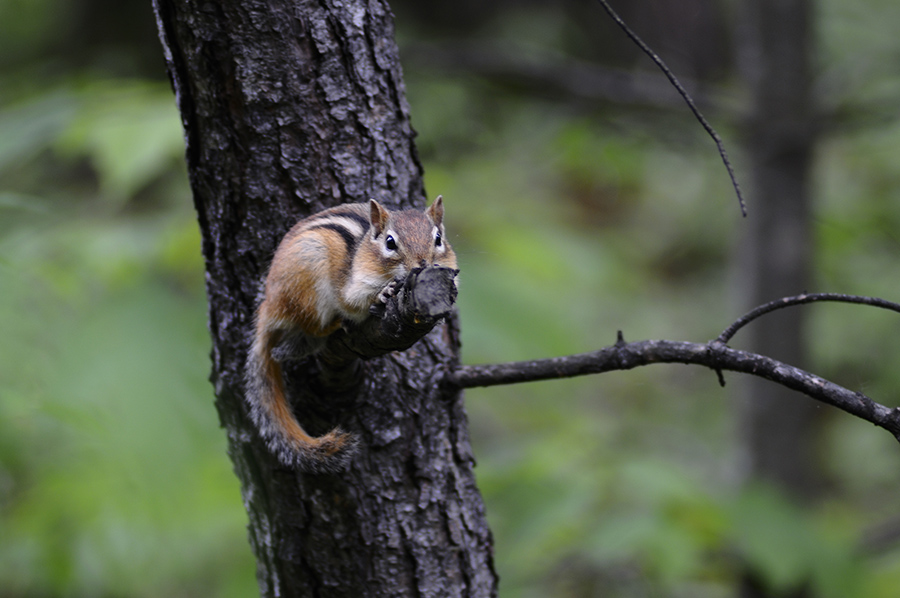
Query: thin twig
[684, 94]
[729, 332]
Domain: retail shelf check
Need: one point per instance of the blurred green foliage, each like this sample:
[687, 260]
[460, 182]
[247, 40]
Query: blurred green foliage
[113, 479]
[570, 224]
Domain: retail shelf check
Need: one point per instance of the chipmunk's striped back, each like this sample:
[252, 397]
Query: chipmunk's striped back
[330, 267]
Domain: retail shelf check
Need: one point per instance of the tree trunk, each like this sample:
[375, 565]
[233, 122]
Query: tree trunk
[776, 257]
[290, 107]
[775, 49]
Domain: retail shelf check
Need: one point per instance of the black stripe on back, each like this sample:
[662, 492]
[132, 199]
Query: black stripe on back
[363, 220]
[349, 239]
[342, 212]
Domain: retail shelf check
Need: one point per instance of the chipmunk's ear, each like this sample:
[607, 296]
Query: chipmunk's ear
[436, 211]
[378, 217]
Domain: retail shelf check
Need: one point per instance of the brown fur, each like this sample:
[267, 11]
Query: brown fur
[330, 267]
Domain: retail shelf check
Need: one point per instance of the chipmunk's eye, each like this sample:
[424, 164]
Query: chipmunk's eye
[390, 243]
[438, 239]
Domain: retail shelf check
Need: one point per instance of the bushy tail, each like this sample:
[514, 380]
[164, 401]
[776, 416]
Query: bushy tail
[278, 426]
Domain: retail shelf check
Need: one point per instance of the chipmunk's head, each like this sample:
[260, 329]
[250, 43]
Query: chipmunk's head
[410, 239]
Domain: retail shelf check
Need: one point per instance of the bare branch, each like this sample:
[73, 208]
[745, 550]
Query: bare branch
[756, 312]
[684, 94]
[714, 355]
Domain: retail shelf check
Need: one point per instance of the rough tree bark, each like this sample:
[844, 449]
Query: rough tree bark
[291, 106]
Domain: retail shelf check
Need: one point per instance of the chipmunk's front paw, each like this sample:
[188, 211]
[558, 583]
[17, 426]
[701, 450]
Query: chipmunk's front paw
[388, 291]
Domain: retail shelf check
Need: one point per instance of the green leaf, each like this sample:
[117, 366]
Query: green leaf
[774, 537]
[131, 133]
[32, 126]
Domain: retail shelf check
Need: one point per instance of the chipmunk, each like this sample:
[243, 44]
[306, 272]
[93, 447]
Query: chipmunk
[330, 267]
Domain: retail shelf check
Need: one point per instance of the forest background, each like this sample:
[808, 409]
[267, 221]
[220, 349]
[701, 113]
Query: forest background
[574, 214]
